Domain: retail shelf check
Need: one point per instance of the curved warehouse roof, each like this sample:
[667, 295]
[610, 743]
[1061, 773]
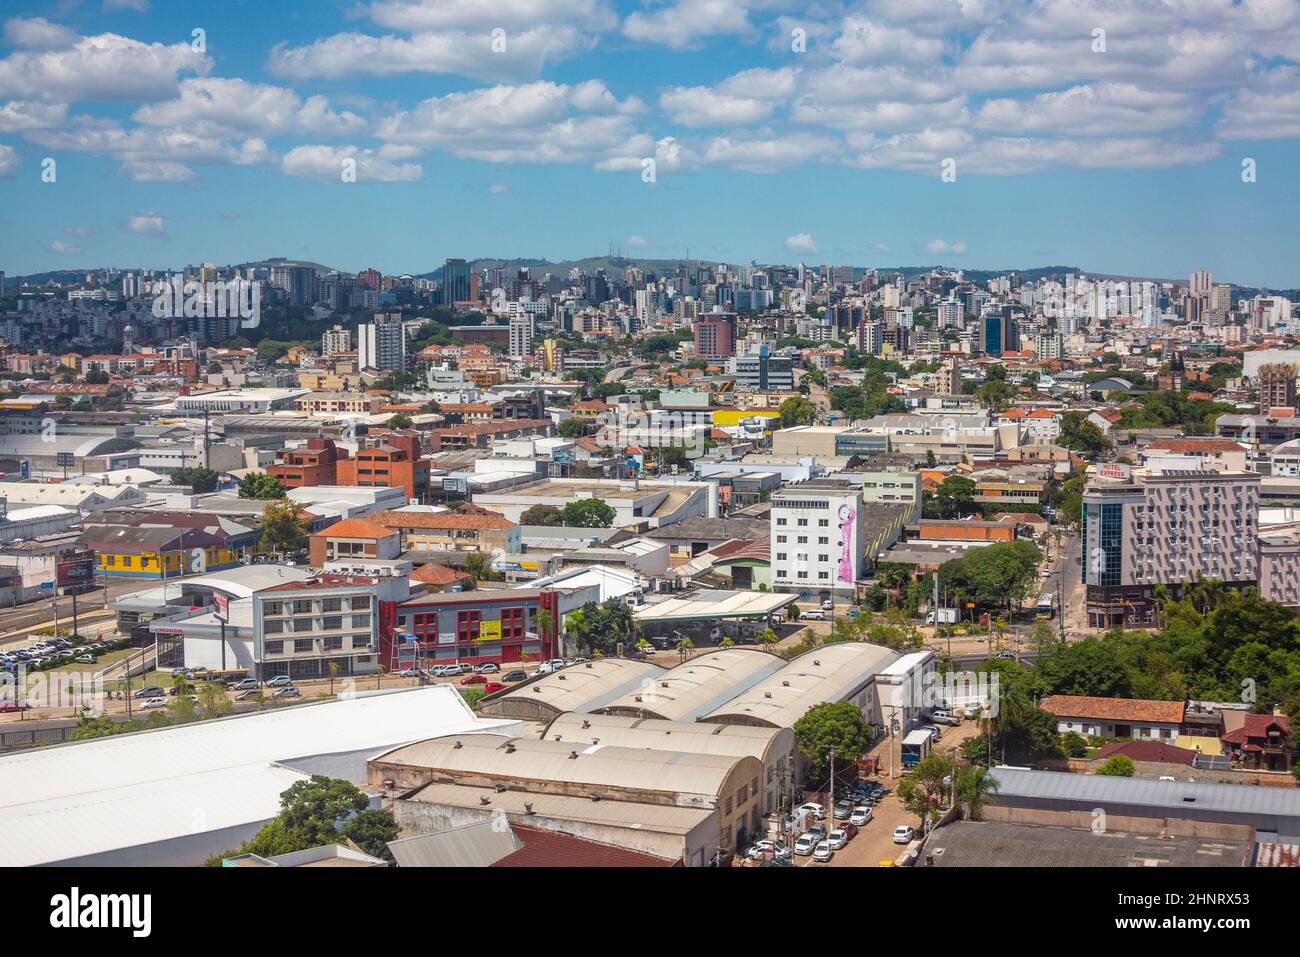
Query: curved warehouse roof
[697, 686]
[582, 687]
[470, 756]
[829, 673]
[627, 732]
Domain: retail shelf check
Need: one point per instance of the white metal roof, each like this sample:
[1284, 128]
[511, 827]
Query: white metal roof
[714, 604]
[127, 790]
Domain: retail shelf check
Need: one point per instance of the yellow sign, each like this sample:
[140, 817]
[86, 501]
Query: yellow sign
[489, 631]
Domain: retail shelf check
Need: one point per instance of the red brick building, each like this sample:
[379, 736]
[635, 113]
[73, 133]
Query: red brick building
[395, 462]
[317, 464]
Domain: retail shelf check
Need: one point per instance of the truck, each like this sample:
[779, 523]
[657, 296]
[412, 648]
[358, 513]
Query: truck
[942, 616]
[1045, 610]
[916, 747]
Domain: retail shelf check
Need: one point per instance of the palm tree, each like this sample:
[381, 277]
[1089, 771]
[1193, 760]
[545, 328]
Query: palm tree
[684, 647]
[975, 787]
[767, 638]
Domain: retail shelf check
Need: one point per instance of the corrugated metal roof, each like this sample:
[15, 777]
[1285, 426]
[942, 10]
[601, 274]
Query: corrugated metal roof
[516, 759]
[127, 790]
[829, 673]
[582, 687]
[697, 685]
[469, 845]
[628, 732]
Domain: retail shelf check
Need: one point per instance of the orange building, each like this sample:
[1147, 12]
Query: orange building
[317, 464]
[396, 462]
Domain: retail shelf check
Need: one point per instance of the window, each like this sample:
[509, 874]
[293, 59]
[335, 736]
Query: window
[302, 624]
[362, 603]
[512, 623]
[334, 644]
[360, 621]
[274, 647]
[467, 625]
[332, 623]
[303, 645]
[273, 627]
[331, 604]
[302, 607]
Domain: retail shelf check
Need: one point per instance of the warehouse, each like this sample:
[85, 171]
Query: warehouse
[725, 784]
[1176, 807]
[177, 795]
[845, 671]
[697, 685]
[774, 747]
[582, 688]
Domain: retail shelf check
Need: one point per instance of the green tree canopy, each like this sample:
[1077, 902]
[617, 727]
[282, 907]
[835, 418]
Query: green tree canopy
[261, 485]
[836, 728]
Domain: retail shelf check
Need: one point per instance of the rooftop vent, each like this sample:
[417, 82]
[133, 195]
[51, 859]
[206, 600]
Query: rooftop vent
[528, 807]
[484, 799]
[389, 784]
[594, 797]
[573, 755]
[499, 788]
[586, 723]
[785, 684]
[537, 689]
[767, 694]
[817, 662]
[458, 745]
[510, 749]
[588, 664]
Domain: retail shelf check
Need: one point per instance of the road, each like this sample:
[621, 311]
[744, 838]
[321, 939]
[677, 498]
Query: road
[874, 843]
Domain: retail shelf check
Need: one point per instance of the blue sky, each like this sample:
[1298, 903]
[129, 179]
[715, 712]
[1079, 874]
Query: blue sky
[1108, 135]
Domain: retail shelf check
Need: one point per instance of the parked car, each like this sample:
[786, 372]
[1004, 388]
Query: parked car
[816, 810]
[828, 604]
[487, 668]
[279, 681]
[1005, 656]
[545, 668]
[935, 733]
[558, 663]
[516, 675]
[289, 691]
[843, 809]
[492, 687]
[973, 712]
[154, 702]
[246, 694]
[775, 848]
[473, 680]
[904, 834]
[840, 836]
[818, 831]
[245, 684]
[153, 691]
[805, 844]
[451, 671]
[860, 816]
[85, 659]
[813, 614]
[823, 852]
[945, 717]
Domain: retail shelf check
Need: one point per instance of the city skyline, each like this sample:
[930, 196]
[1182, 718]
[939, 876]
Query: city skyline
[1110, 139]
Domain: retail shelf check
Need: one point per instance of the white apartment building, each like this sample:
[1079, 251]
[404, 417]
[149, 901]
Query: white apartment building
[817, 537]
[335, 341]
[521, 336]
[381, 345]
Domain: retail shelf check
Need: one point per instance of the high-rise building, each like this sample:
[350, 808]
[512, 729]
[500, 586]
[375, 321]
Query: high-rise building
[1277, 386]
[762, 372]
[296, 281]
[1049, 345]
[715, 335]
[1200, 283]
[521, 336]
[1144, 527]
[381, 344]
[871, 337]
[998, 333]
[817, 537]
[455, 282]
[334, 341]
[1220, 301]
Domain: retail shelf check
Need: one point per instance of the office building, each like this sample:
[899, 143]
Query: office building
[381, 345]
[817, 537]
[1277, 386]
[764, 372]
[715, 335]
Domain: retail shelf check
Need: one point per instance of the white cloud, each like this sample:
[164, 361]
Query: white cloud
[65, 249]
[326, 164]
[1103, 108]
[800, 243]
[20, 116]
[139, 6]
[411, 16]
[37, 33]
[104, 67]
[765, 152]
[682, 24]
[348, 55]
[496, 189]
[1268, 108]
[216, 106]
[635, 240]
[147, 224]
[941, 247]
[701, 106]
[8, 160]
[878, 247]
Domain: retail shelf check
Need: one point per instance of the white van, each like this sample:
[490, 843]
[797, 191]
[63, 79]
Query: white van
[813, 614]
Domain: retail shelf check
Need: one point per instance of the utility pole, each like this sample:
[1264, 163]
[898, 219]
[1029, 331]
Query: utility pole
[830, 800]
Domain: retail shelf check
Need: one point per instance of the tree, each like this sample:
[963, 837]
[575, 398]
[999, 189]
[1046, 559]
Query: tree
[797, 410]
[97, 377]
[572, 428]
[545, 515]
[479, 568]
[603, 626]
[1079, 434]
[200, 479]
[836, 728]
[309, 812]
[767, 638]
[1118, 766]
[588, 513]
[261, 485]
[954, 497]
[400, 421]
[975, 785]
[1074, 744]
[922, 791]
[999, 575]
[282, 529]
[371, 830]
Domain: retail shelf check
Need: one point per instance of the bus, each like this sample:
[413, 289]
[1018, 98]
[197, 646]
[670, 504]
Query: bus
[1045, 610]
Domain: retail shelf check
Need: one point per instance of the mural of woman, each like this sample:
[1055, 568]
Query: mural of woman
[848, 515]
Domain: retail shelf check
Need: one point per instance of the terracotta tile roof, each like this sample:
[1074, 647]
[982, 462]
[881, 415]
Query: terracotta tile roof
[739, 548]
[354, 528]
[1113, 709]
[1256, 726]
[555, 849]
[442, 520]
[437, 575]
[1153, 751]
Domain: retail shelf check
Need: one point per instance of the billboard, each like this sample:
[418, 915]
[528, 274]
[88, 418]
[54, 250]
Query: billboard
[76, 570]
